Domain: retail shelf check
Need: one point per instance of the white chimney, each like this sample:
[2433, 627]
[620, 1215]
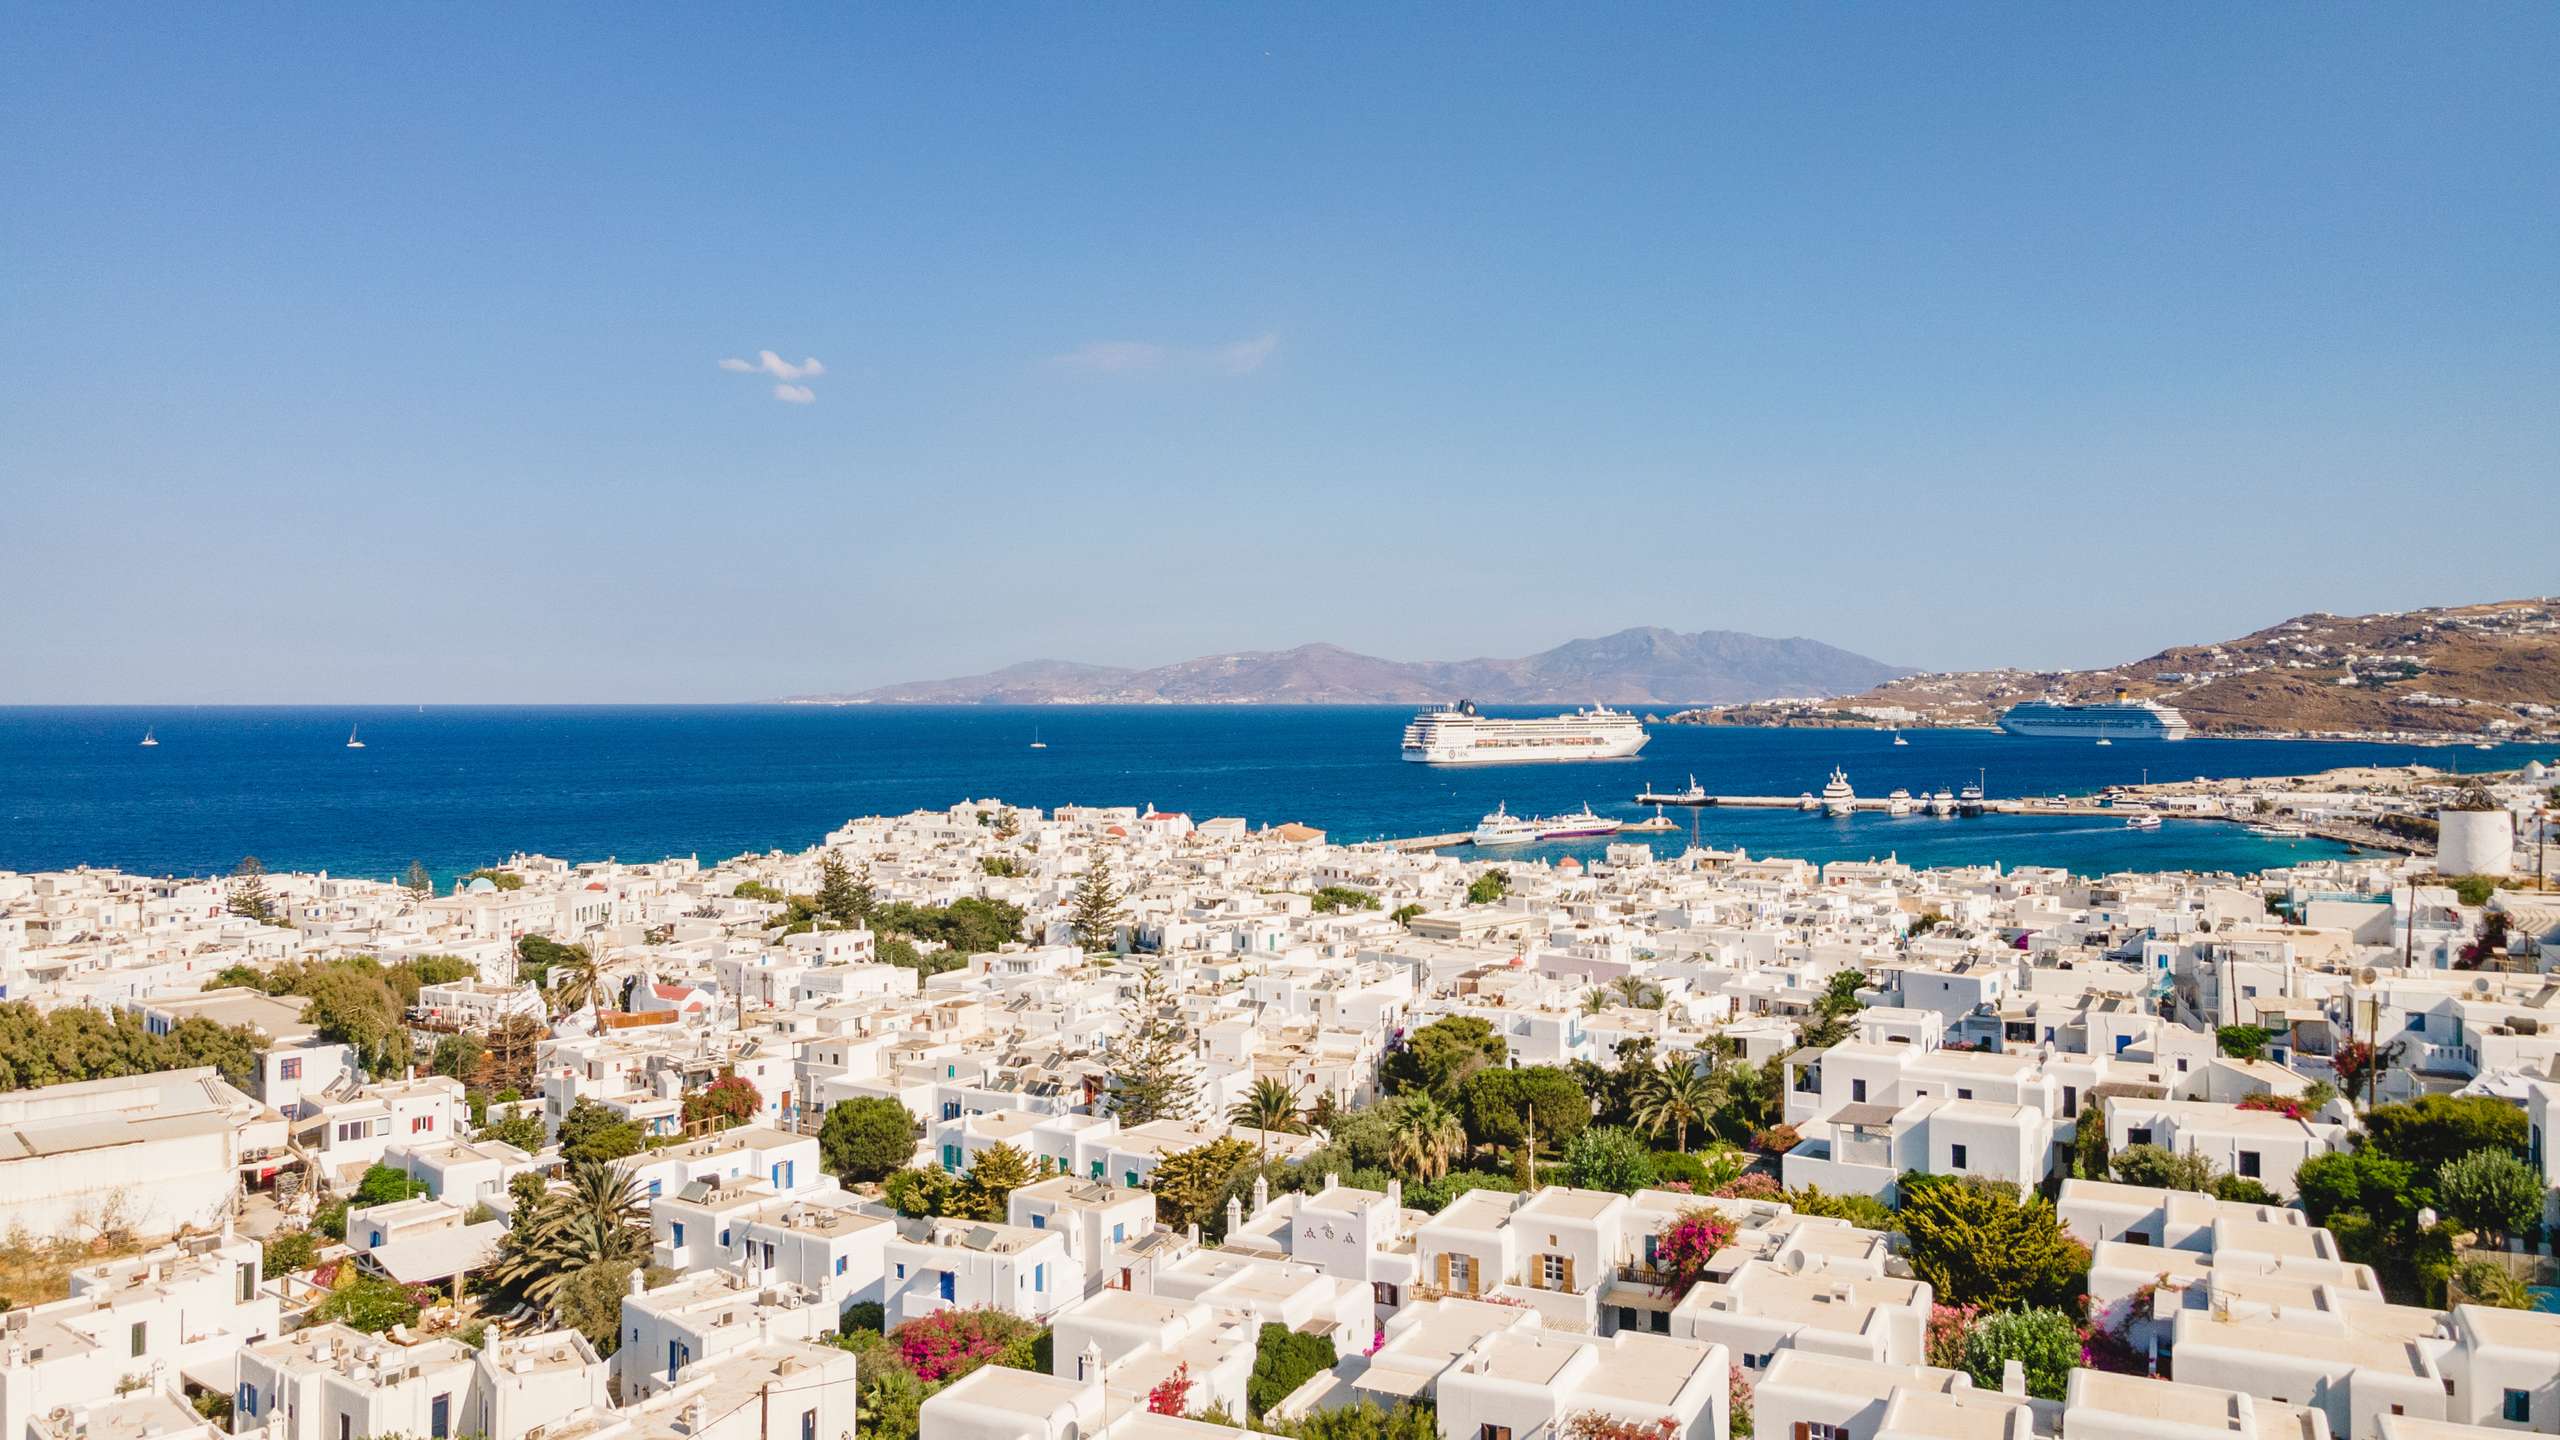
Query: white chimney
[2013, 1379]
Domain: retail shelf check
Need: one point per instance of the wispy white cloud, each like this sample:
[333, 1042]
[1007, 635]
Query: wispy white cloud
[787, 376]
[1125, 357]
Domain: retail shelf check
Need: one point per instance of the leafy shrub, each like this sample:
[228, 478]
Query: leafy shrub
[1283, 1360]
[2045, 1342]
[948, 1344]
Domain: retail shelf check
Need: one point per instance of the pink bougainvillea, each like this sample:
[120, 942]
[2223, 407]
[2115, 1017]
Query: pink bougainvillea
[953, 1342]
[1758, 1185]
[1684, 1249]
[1593, 1425]
[1947, 1327]
[2290, 1107]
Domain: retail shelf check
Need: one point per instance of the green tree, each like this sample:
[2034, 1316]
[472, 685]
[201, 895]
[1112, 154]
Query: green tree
[386, 1185]
[355, 1007]
[2242, 1042]
[367, 1303]
[600, 1218]
[2486, 1282]
[1331, 899]
[1150, 1068]
[1674, 1096]
[1606, 1157]
[418, 881]
[988, 1188]
[1404, 914]
[724, 1104]
[836, 898]
[2434, 1129]
[867, 1138]
[921, 1192]
[1978, 1246]
[1094, 913]
[1191, 1185]
[1440, 1056]
[249, 898]
[538, 955]
[592, 1133]
[520, 1129]
[459, 1057]
[1428, 1138]
[2155, 1166]
[1283, 1360]
[1269, 1106]
[1538, 1104]
[2044, 1342]
[288, 1252]
[2089, 1157]
[2490, 1191]
[590, 1302]
[1488, 887]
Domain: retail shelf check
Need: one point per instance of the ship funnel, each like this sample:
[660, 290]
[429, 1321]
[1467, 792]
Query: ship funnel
[2120, 694]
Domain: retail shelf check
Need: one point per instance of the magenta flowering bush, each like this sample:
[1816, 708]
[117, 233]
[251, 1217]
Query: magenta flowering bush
[1692, 1240]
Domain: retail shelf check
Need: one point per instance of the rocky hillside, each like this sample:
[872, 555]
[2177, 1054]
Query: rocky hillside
[2469, 670]
[1643, 666]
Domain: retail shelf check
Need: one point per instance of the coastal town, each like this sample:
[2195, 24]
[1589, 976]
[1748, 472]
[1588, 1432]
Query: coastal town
[990, 1122]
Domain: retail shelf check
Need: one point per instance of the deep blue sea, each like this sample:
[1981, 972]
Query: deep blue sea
[464, 786]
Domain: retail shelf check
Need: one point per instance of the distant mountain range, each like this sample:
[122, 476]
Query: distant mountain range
[1643, 666]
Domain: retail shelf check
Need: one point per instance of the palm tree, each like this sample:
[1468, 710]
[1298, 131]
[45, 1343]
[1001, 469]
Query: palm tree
[578, 980]
[602, 1219]
[1270, 1105]
[1427, 1139]
[1674, 1096]
[1636, 993]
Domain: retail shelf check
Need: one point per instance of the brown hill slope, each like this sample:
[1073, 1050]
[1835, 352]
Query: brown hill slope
[2466, 670]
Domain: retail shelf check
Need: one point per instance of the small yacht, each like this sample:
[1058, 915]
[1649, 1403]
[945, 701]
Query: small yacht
[1942, 803]
[2142, 822]
[1807, 803]
[2278, 830]
[1899, 803]
[2103, 740]
[1898, 740]
[1837, 797]
[1504, 828]
[147, 741]
[352, 742]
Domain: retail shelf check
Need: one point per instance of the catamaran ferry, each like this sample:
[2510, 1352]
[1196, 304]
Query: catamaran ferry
[1457, 735]
[2123, 720]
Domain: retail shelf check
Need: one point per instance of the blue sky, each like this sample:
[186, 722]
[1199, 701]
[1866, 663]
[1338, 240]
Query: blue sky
[375, 353]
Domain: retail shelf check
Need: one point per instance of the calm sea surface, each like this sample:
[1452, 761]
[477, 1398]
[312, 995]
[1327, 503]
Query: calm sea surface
[466, 786]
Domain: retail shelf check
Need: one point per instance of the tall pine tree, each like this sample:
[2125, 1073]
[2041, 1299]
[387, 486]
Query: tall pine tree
[1152, 1077]
[418, 880]
[1094, 913]
[837, 898]
[249, 897]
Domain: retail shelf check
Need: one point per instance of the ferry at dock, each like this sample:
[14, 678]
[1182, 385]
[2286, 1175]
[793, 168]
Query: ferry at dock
[1458, 735]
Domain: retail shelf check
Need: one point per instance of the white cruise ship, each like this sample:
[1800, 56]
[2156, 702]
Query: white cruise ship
[1457, 735]
[2104, 723]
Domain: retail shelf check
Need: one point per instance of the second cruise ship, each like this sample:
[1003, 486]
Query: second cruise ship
[1457, 735]
[2122, 720]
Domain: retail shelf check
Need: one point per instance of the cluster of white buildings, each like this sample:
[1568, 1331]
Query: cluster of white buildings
[2003, 1007]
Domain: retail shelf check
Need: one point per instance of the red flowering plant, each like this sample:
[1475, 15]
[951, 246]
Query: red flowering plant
[1172, 1394]
[2288, 1106]
[1687, 1245]
[948, 1344]
[2106, 1341]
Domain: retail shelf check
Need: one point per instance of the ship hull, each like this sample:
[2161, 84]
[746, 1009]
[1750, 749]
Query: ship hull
[1604, 747]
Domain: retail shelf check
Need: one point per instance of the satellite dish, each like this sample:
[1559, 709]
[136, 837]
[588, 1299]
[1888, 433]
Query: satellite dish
[2368, 975]
[2480, 985]
[1793, 1261]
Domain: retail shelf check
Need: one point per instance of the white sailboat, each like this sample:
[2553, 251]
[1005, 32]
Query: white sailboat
[352, 742]
[2103, 740]
[1036, 742]
[147, 741]
[1898, 740]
